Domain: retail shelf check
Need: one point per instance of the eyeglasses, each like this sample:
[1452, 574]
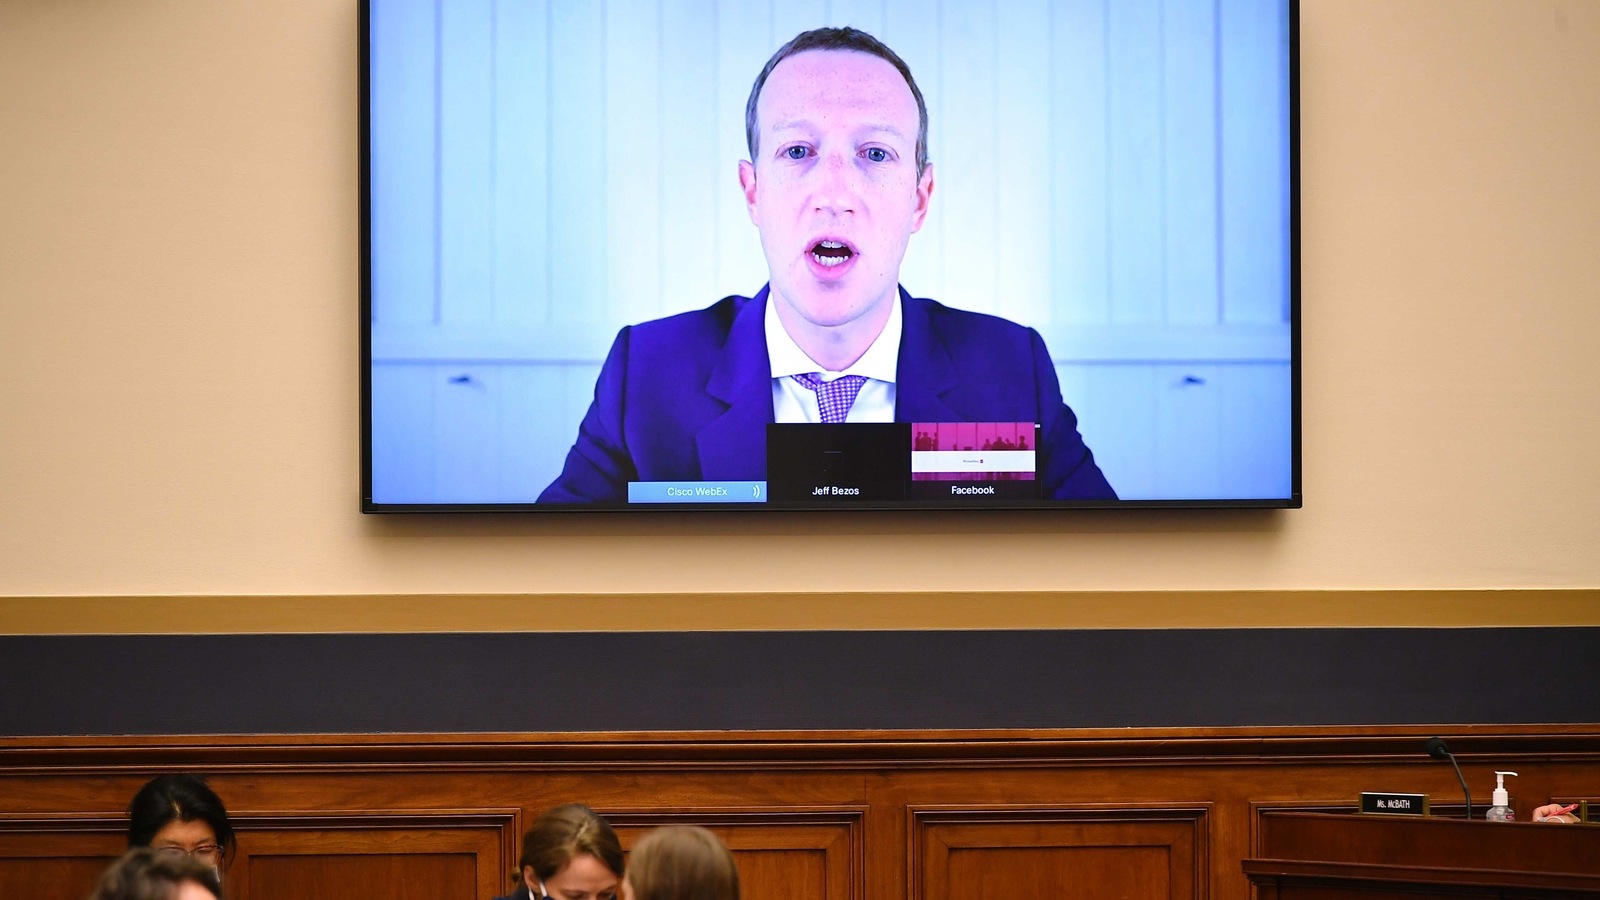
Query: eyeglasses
[207, 853]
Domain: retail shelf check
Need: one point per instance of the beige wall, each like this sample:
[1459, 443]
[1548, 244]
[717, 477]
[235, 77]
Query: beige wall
[178, 338]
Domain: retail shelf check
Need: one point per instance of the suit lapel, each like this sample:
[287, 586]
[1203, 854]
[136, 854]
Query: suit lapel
[733, 446]
[924, 373]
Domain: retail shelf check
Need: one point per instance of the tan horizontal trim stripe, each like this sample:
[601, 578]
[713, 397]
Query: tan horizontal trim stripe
[795, 611]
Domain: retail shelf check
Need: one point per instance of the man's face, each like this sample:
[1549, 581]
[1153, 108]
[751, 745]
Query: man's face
[834, 188]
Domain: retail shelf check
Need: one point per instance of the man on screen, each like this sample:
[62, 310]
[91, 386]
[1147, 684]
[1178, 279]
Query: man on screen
[838, 181]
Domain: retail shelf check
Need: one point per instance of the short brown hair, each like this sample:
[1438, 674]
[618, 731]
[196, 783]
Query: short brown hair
[846, 38]
[564, 833]
[146, 874]
[682, 862]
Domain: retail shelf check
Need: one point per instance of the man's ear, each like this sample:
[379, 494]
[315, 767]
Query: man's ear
[531, 880]
[924, 192]
[747, 181]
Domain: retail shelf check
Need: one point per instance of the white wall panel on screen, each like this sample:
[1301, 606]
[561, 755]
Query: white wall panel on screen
[499, 436]
[687, 221]
[521, 164]
[1158, 435]
[404, 168]
[578, 240]
[1189, 403]
[635, 176]
[466, 432]
[871, 16]
[1021, 149]
[1189, 160]
[967, 193]
[1189, 343]
[1256, 431]
[1255, 172]
[1080, 196]
[403, 450]
[1134, 130]
[789, 18]
[1223, 431]
[466, 162]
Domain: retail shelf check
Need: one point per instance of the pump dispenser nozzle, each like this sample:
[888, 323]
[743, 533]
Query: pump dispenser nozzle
[1501, 810]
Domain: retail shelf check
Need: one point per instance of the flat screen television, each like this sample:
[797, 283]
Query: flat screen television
[949, 256]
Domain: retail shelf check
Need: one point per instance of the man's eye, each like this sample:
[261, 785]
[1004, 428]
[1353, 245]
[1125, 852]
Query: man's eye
[877, 154]
[795, 152]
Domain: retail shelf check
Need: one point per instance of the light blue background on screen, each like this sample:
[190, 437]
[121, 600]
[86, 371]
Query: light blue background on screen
[1113, 173]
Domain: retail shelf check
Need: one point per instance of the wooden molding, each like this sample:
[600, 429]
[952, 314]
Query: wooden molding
[796, 611]
[798, 750]
[113, 824]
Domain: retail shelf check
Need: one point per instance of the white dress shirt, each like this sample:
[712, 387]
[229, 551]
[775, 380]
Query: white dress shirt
[794, 402]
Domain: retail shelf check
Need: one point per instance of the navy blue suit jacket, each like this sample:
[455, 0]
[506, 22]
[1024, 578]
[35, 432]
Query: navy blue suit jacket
[689, 398]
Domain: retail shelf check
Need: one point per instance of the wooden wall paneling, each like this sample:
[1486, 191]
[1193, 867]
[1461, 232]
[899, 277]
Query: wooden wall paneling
[414, 855]
[333, 876]
[57, 857]
[1148, 853]
[284, 854]
[846, 815]
[782, 853]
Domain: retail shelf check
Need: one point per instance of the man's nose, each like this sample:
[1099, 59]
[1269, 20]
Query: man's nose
[836, 185]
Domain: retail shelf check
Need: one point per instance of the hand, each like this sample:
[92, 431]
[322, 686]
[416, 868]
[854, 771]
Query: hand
[1555, 812]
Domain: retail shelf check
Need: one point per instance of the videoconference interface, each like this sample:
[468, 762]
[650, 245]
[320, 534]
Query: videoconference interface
[647, 255]
[959, 462]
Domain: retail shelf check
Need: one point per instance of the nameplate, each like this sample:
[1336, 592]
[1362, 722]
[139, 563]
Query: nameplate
[1394, 804]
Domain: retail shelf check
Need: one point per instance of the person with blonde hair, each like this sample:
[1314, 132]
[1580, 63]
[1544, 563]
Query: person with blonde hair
[681, 862]
[145, 873]
[570, 853]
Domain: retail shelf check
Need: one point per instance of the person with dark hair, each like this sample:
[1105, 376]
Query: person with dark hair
[145, 873]
[681, 862]
[179, 815]
[837, 182]
[570, 853]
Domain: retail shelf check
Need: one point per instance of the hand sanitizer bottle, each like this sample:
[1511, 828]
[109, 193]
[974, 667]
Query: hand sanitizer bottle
[1501, 810]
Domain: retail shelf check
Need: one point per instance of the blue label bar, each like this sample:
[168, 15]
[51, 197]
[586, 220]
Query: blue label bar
[697, 492]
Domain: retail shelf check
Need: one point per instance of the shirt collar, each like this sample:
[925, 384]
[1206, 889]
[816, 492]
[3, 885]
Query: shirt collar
[879, 363]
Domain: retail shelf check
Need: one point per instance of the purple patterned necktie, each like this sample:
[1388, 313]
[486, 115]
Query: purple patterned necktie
[834, 397]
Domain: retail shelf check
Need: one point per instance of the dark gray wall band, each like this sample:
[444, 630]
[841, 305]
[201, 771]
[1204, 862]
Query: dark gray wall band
[220, 684]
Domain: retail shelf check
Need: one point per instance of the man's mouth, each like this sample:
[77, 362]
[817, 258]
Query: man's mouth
[831, 253]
